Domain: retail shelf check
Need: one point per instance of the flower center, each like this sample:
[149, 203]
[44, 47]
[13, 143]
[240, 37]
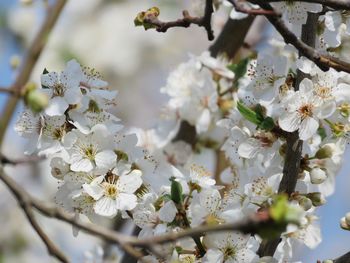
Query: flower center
[58, 90]
[89, 152]
[229, 252]
[305, 111]
[323, 92]
[111, 190]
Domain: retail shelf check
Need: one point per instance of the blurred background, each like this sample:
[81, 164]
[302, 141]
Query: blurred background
[101, 34]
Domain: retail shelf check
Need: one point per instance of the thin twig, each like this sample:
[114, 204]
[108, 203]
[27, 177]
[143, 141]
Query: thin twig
[24, 160]
[29, 62]
[324, 62]
[240, 7]
[7, 90]
[250, 225]
[336, 4]
[50, 210]
[186, 21]
[291, 168]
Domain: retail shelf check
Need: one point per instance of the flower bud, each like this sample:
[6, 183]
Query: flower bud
[305, 203]
[325, 152]
[37, 101]
[15, 61]
[34, 99]
[347, 218]
[317, 175]
[316, 198]
[343, 224]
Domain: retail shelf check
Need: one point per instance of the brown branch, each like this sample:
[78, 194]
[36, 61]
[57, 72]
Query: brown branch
[29, 62]
[27, 209]
[25, 160]
[336, 4]
[186, 21]
[239, 6]
[324, 62]
[7, 90]
[342, 259]
[50, 210]
[291, 168]
[252, 224]
[231, 37]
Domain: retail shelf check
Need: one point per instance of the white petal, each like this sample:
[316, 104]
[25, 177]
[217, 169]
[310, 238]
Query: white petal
[126, 201]
[49, 79]
[83, 165]
[129, 183]
[106, 207]
[95, 191]
[249, 148]
[342, 92]
[237, 15]
[326, 109]
[57, 106]
[308, 128]
[203, 121]
[306, 86]
[105, 159]
[73, 95]
[289, 121]
[168, 212]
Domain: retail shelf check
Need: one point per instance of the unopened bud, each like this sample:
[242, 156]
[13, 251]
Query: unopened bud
[317, 175]
[325, 152]
[154, 11]
[305, 203]
[316, 198]
[15, 61]
[343, 224]
[226, 105]
[34, 99]
[347, 218]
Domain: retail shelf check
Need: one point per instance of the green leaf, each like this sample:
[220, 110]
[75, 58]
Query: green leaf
[322, 132]
[267, 124]
[248, 113]
[176, 191]
[284, 213]
[239, 69]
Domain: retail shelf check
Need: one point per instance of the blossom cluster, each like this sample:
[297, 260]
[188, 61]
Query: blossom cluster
[216, 156]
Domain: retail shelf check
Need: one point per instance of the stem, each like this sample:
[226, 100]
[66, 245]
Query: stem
[293, 156]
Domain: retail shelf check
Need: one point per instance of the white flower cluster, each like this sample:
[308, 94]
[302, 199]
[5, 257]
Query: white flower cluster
[248, 110]
[90, 152]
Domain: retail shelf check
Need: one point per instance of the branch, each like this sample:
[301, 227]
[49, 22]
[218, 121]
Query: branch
[30, 60]
[186, 21]
[239, 6]
[50, 210]
[342, 259]
[7, 90]
[25, 160]
[324, 62]
[336, 4]
[293, 156]
[252, 224]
